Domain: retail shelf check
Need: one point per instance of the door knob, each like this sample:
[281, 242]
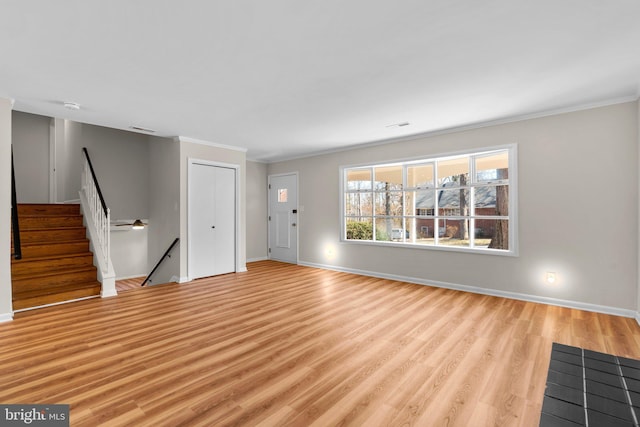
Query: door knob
[213, 226]
[293, 225]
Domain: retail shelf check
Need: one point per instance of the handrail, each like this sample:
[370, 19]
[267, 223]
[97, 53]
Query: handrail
[97, 212]
[95, 181]
[166, 254]
[17, 247]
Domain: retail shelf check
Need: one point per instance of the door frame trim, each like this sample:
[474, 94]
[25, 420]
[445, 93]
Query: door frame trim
[295, 173]
[191, 161]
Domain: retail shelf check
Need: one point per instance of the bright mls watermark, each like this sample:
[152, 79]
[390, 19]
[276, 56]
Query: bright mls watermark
[34, 415]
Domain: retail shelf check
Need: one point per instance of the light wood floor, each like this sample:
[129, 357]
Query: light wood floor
[290, 345]
[129, 284]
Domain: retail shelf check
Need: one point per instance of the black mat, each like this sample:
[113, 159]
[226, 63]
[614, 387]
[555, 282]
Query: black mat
[587, 388]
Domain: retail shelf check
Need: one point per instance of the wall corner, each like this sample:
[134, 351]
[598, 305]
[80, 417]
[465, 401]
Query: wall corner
[6, 295]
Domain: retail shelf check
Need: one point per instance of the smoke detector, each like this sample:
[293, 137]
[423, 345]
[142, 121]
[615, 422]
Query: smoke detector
[71, 106]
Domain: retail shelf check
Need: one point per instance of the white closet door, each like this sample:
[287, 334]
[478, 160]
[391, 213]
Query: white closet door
[212, 220]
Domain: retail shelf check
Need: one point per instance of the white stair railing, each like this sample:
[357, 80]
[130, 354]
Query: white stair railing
[101, 217]
[98, 218]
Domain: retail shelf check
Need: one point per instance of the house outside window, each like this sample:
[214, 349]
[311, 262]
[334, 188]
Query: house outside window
[462, 202]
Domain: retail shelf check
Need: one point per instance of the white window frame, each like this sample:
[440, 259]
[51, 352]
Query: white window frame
[512, 218]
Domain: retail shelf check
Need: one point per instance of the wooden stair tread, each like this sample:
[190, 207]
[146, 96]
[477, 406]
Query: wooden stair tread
[41, 275]
[47, 215]
[53, 215]
[47, 209]
[49, 222]
[57, 242]
[54, 242]
[62, 227]
[59, 263]
[44, 300]
[32, 250]
[51, 257]
[49, 290]
[51, 236]
[69, 277]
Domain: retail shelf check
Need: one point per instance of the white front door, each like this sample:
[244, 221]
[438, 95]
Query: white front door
[283, 218]
[212, 225]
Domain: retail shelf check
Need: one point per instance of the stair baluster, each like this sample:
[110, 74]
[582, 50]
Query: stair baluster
[100, 213]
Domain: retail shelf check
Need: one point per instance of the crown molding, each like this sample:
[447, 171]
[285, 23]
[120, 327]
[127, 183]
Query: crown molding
[208, 143]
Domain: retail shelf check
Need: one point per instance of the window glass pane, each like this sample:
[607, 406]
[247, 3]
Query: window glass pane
[492, 200]
[425, 229]
[388, 178]
[492, 233]
[421, 203]
[420, 176]
[358, 179]
[453, 172]
[358, 204]
[388, 229]
[388, 203]
[359, 229]
[282, 195]
[420, 230]
[453, 202]
[398, 234]
[492, 167]
[456, 232]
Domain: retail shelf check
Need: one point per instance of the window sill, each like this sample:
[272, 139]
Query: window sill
[478, 251]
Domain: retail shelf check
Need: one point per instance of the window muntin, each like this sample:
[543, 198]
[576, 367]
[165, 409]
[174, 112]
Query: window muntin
[469, 208]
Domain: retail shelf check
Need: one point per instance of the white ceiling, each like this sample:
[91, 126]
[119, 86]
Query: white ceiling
[286, 78]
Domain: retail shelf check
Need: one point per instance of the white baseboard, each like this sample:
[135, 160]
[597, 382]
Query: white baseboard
[638, 318]
[258, 259]
[56, 303]
[182, 279]
[135, 276]
[6, 317]
[484, 291]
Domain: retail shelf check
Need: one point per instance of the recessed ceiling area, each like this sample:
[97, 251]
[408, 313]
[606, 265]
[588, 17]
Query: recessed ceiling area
[287, 78]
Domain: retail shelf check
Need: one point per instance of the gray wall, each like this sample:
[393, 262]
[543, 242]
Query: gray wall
[257, 199]
[129, 250]
[30, 135]
[164, 207]
[578, 209]
[121, 163]
[6, 310]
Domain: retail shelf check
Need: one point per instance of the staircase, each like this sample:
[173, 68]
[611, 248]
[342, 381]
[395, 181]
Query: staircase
[56, 264]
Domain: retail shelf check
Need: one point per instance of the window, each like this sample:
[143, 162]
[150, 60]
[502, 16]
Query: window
[462, 202]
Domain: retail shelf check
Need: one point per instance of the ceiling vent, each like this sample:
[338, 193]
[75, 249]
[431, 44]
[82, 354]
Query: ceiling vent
[139, 129]
[397, 125]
